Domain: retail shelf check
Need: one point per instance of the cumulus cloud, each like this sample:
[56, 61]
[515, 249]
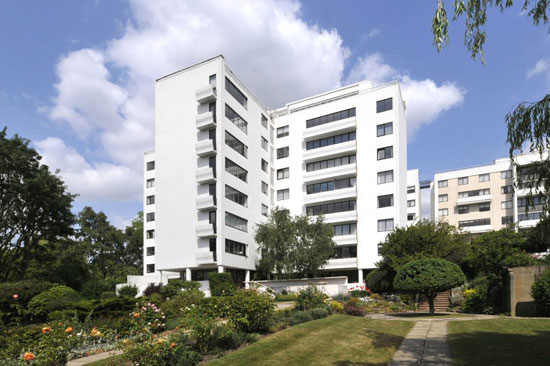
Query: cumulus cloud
[425, 99]
[541, 67]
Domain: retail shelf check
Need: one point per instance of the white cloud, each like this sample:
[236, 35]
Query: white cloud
[542, 66]
[371, 34]
[425, 99]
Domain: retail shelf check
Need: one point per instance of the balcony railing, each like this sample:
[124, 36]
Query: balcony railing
[206, 94]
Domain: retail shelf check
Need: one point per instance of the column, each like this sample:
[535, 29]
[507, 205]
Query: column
[360, 277]
[220, 269]
[246, 278]
[188, 274]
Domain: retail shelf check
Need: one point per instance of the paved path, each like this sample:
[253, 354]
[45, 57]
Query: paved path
[425, 345]
[93, 358]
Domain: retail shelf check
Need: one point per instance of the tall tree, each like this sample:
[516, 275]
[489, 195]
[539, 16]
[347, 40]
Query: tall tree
[314, 245]
[34, 205]
[133, 254]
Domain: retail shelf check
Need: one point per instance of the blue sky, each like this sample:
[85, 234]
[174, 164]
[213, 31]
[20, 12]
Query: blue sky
[78, 75]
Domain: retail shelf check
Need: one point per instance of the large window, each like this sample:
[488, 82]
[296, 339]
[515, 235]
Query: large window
[150, 165]
[150, 183]
[384, 105]
[384, 153]
[265, 187]
[535, 201]
[329, 208]
[235, 93]
[477, 192]
[235, 170]
[478, 222]
[150, 234]
[150, 268]
[443, 183]
[150, 216]
[331, 185]
[283, 194]
[238, 197]
[283, 173]
[484, 207]
[443, 212]
[150, 200]
[530, 216]
[264, 121]
[506, 174]
[462, 181]
[344, 229]
[330, 163]
[506, 204]
[506, 189]
[236, 144]
[507, 220]
[385, 200]
[463, 210]
[264, 165]
[346, 252]
[385, 177]
[265, 143]
[236, 119]
[332, 140]
[236, 222]
[265, 210]
[234, 247]
[330, 118]
[385, 225]
[150, 251]
[384, 129]
[282, 131]
[282, 152]
[411, 203]
[443, 198]
[484, 177]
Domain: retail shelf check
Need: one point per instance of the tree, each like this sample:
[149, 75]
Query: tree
[538, 238]
[34, 205]
[540, 290]
[291, 246]
[428, 277]
[133, 254]
[529, 124]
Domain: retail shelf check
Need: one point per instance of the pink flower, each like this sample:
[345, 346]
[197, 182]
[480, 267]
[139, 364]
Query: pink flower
[15, 297]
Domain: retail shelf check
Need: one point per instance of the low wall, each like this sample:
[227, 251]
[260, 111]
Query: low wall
[141, 282]
[331, 286]
[519, 301]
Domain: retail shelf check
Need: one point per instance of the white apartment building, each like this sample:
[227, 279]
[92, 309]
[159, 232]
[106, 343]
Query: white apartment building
[222, 161]
[483, 198]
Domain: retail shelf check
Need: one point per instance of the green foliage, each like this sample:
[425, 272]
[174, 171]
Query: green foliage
[221, 284]
[519, 260]
[310, 297]
[93, 288]
[287, 297]
[380, 280]
[538, 238]
[479, 298]
[540, 290]
[133, 253]
[176, 306]
[319, 313]
[353, 309]
[336, 307]
[210, 336]
[152, 289]
[174, 287]
[13, 310]
[129, 291]
[108, 295]
[299, 317]
[148, 318]
[428, 277]
[55, 298]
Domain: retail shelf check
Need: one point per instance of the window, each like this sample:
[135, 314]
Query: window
[264, 121]
[535, 201]
[462, 181]
[283, 173]
[385, 177]
[150, 234]
[332, 140]
[331, 163]
[329, 208]
[384, 129]
[385, 200]
[443, 183]
[236, 119]
[150, 251]
[507, 220]
[506, 189]
[235, 93]
[265, 210]
[234, 247]
[238, 197]
[150, 183]
[264, 165]
[344, 229]
[150, 268]
[384, 153]
[443, 198]
[331, 185]
[411, 203]
[506, 204]
[150, 165]
[443, 212]
[150, 200]
[385, 225]
[477, 192]
[410, 217]
[330, 118]
[411, 189]
[265, 143]
[282, 131]
[282, 152]
[236, 222]
[463, 210]
[283, 194]
[484, 207]
[235, 170]
[484, 177]
[506, 174]
[236, 144]
[478, 222]
[265, 187]
[150, 216]
[346, 252]
[530, 216]
[384, 105]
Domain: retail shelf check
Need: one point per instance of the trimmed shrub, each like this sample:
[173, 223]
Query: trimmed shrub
[128, 291]
[221, 284]
[176, 306]
[56, 298]
[310, 297]
[354, 310]
[174, 287]
[319, 313]
[250, 311]
[540, 290]
[299, 317]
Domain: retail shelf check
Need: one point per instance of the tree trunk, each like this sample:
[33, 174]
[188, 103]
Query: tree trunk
[431, 302]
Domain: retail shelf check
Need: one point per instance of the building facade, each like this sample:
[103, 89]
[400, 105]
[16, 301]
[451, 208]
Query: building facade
[414, 204]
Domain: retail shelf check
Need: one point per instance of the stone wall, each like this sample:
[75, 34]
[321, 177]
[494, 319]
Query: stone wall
[518, 299]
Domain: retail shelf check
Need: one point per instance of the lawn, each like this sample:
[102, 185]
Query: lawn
[500, 341]
[338, 340]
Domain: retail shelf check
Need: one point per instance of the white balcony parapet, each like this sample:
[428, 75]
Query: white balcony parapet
[528, 223]
[320, 175]
[205, 202]
[345, 239]
[474, 199]
[204, 257]
[478, 229]
[206, 94]
[205, 121]
[337, 194]
[341, 263]
[340, 217]
[205, 230]
[330, 151]
[205, 175]
[327, 129]
[205, 148]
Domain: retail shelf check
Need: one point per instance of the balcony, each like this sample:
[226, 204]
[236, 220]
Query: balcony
[205, 230]
[206, 94]
[474, 199]
[478, 229]
[337, 194]
[341, 263]
[205, 202]
[330, 151]
[320, 175]
[205, 175]
[205, 121]
[205, 148]
[340, 217]
[205, 257]
[345, 239]
[327, 129]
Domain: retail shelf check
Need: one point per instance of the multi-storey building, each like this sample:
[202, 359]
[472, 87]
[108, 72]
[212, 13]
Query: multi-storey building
[483, 198]
[222, 161]
[414, 204]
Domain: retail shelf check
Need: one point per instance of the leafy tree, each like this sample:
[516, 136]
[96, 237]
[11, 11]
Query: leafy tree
[538, 238]
[540, 290]
[428, 276]
[134, 242]
[293, 246]
[34, 205]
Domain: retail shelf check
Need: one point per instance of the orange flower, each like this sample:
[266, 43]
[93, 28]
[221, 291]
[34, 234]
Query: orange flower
[94, 332]
[68, 330]
[125, 341]
[28, 356]
[46, 330]
[160, 340]
[137, 315]
[173, 344]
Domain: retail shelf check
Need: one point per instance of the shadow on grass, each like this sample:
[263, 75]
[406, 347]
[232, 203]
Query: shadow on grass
[352, 363]
[420, 315]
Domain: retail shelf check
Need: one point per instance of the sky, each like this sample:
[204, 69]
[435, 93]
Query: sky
[78, 78]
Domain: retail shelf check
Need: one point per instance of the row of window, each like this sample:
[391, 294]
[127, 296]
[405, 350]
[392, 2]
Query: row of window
[235, 247]
[330, 163]
[331, 140]
[475, 193]
[505, 174]
[470, 223]
[344, 229]
[333, 117]
[331, 185]
[346, 252]
[535, 201]
[328, 208]
[236, 222]
[236, 119]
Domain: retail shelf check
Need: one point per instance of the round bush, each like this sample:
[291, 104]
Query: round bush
[540, 290]
[299, 317]
[128, 291]
[319, 313]
[310, 297]
[56, 298]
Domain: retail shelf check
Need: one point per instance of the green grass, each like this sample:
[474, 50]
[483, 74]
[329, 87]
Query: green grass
[502, 342]
[338, 340]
